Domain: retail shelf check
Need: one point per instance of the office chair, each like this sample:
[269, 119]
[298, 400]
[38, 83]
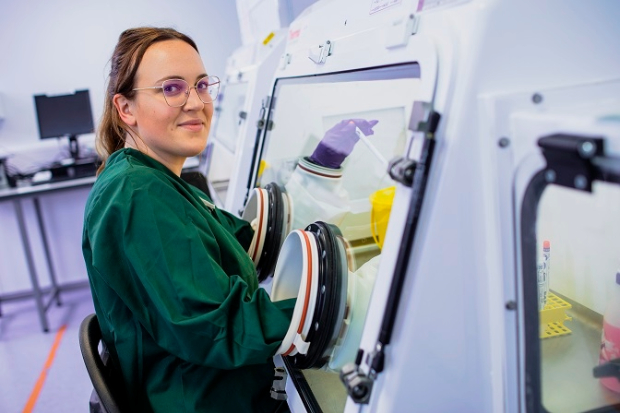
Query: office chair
[101, 375]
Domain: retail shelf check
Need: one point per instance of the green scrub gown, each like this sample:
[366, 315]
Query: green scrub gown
[176, 294]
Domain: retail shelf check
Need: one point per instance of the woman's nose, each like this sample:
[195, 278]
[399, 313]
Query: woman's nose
[193, 100]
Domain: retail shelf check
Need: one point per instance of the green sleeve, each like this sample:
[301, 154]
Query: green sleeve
[240, 228]
[165, 262]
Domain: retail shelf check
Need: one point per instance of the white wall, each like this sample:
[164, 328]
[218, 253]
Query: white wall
[63, 45]
[60, 46]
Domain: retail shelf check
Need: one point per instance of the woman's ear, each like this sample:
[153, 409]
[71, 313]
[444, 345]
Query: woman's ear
[124, 108]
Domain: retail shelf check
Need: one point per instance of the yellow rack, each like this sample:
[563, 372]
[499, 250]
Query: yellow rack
[553, 316]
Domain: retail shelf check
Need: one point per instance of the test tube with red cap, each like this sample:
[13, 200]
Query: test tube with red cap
[543, 275]
[546, 262]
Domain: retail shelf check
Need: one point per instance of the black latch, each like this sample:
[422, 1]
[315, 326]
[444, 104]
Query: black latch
[569, 159]
[609, 369]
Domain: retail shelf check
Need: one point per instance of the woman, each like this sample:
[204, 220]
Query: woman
[174, 290]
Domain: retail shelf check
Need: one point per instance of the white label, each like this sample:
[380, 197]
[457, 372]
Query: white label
[378, 5]
[424, 5]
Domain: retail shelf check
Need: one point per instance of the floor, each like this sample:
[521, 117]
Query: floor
[44, 372]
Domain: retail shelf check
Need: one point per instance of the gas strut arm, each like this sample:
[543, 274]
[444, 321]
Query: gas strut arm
[413, 174]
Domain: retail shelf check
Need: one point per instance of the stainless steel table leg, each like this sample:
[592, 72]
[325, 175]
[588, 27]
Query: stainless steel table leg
[48, 256]
[31, 266]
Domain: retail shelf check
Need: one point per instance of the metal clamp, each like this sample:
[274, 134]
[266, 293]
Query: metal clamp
[401, 169]
[318, 54]
[358, 385]
[262, 122]
[285, 59]
[422, 119]
[278, 389]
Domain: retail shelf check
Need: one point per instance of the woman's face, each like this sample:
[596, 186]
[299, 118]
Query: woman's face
[166, 133]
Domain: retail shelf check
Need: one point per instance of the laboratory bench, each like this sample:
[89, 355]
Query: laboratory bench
[44, 297]
[61, 180]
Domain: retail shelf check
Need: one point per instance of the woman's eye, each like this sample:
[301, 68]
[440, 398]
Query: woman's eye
[172, 88]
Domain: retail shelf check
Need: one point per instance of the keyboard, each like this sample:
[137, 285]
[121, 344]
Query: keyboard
[59, 173]
[57, 179]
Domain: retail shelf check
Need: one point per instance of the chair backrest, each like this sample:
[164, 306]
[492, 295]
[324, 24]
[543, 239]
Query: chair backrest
[197, 179]
[101, 375]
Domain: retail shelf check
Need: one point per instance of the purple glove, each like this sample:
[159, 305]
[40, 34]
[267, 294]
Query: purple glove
[339, 141]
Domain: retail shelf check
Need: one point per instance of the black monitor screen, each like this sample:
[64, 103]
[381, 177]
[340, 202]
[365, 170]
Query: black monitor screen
[64, 115]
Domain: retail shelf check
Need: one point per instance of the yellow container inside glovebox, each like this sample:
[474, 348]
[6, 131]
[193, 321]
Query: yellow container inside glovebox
[553, 316]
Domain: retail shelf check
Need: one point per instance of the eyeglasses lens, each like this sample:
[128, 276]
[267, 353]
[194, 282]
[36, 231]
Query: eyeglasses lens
[205, 90]
[176, 90]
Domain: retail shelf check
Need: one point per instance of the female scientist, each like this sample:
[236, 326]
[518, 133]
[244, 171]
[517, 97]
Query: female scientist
[174, 290]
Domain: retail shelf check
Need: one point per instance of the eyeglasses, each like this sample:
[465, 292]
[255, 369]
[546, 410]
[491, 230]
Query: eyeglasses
[176, 91]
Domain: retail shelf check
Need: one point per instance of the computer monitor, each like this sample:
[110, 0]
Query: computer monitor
[65, 115]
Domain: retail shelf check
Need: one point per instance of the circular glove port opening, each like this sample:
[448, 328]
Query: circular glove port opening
[312, 266]
[269, 211]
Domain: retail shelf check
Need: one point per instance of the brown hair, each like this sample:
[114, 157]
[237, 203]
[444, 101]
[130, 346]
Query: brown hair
[128, 53]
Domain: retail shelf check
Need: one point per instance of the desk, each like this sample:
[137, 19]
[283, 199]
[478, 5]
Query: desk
[17, 195]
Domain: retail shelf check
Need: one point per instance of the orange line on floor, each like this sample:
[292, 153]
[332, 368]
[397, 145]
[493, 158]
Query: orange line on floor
[48, 364]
